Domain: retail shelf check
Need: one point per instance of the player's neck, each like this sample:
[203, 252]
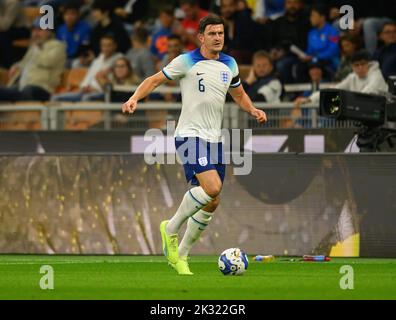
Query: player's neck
[209, 54]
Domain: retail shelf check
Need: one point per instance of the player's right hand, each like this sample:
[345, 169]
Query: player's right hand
[129, 106]
[260, 115]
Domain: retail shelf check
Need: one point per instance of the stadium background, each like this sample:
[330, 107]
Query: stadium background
[297, 204]
[59, 196]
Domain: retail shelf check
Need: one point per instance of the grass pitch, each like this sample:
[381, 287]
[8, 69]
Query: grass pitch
[139, 277]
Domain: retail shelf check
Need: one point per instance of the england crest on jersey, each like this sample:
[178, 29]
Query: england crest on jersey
[224, 77]
[203, 162]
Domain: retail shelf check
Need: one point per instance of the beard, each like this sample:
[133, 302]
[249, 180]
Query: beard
[217, 48]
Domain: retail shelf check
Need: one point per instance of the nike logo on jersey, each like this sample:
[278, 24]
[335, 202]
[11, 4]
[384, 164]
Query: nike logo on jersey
[200, 74]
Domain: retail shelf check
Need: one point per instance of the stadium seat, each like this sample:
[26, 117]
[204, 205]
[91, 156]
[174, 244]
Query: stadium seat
[71, 80]
[21, 120]
[82, 119]
[244, 71]
[77, 120]
[64, 80]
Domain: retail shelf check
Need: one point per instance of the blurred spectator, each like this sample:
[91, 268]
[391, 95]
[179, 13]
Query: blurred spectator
[159, 40]
[37, 75]
[107, 23]
[157, 118]
[240, 31]
[85, 57]
[131, 11]
[121, 73]
[90, 89]
[247, 4]
[262, 85]
[322, 40]
[302, 117]
[13, 25]
[316, 75]
[369, 17]
[349, 45]
[189, 25]
[386, 55]
[74, 32]
[241, 5]
[175, 48]
[86, 12]
[366, 78]
[140, 56]
[269, 10]
[378, 13]
[290, 29]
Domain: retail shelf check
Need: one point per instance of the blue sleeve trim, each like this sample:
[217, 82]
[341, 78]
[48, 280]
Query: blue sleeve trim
[166, 75]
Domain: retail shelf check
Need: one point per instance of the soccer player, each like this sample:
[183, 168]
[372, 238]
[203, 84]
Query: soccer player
[205, 74]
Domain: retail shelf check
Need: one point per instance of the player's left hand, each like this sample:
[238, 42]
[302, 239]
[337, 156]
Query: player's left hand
[260, 115]
[129, 106]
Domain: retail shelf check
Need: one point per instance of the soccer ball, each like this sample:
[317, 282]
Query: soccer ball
[233, 262]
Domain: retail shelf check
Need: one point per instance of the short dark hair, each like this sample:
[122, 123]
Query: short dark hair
[174, 37]
[71, 5]
[316, 65]
[140, 35]
[110, 36]
[211, 19]
[168, 10]
[322, 9]
[355, 40]
[360, 56]
[103, 5]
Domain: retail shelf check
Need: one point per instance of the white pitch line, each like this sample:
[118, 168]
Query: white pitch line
[71, 262]
[81, 262]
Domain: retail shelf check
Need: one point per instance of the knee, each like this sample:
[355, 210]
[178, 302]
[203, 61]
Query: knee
[215, 202]
[213, 190]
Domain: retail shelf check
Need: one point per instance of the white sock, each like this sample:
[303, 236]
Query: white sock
[195, 226]
[193, 200]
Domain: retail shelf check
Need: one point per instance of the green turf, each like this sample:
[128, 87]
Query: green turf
[137, 277]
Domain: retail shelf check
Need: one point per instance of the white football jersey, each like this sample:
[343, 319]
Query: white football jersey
[204, 84]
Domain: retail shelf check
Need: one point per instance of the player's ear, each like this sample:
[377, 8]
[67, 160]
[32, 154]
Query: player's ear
[200, 37]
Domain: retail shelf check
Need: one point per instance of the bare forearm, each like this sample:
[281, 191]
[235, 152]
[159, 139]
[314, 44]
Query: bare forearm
[145, 88]
[242, 99]
[245, 103]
